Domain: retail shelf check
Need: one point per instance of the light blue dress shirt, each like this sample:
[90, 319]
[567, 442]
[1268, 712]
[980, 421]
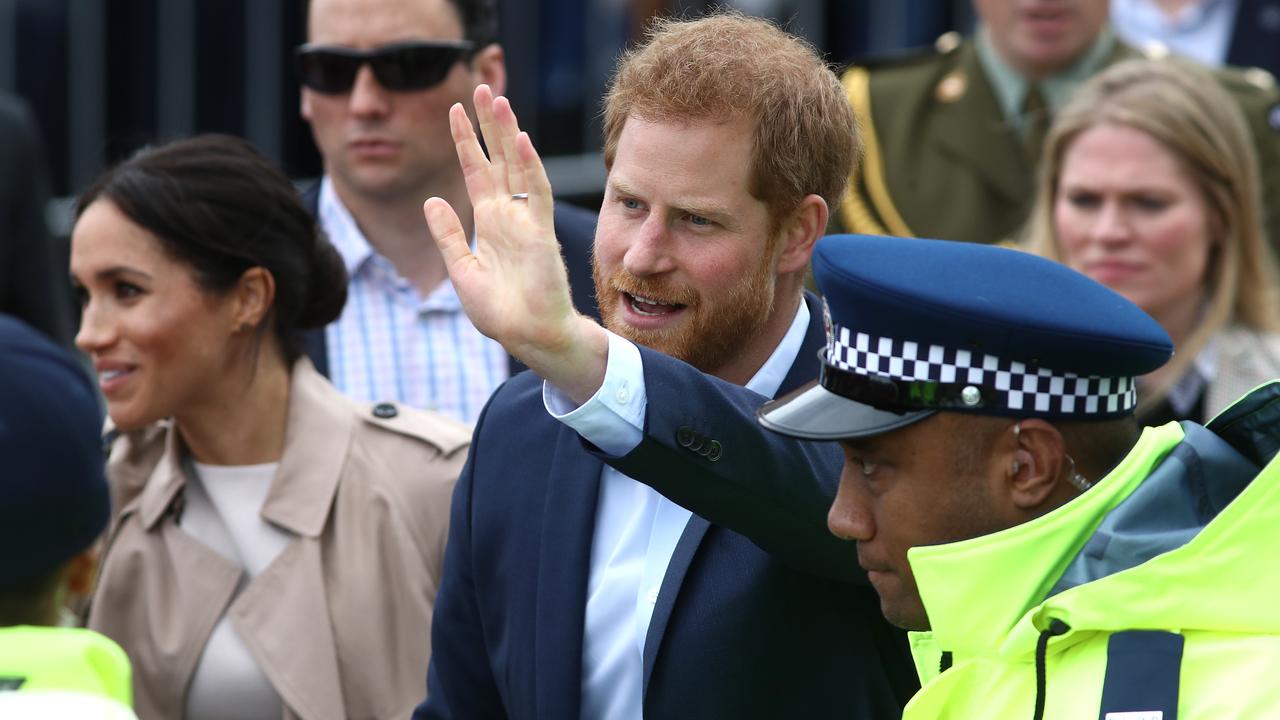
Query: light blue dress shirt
[1201, 31]
[391, 343]
[636, 529]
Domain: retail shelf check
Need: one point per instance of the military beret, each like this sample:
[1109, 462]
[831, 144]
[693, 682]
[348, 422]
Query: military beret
[916, 326]
[53, 492]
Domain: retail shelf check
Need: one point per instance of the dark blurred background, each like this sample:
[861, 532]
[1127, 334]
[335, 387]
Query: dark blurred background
[105, 77]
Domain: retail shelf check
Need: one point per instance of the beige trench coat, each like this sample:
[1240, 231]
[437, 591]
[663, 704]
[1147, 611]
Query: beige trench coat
[1246, 359]
[340, 622]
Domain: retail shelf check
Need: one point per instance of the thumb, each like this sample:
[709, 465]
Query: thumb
[446, 230]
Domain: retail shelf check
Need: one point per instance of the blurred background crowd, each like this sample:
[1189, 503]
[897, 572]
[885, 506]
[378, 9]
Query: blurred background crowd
[1158, 179]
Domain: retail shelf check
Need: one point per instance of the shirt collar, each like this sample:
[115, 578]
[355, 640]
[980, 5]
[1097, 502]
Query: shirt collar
[1184, 393]
[342, 229]
[358, 255]
[769, 377]
[1011, 87]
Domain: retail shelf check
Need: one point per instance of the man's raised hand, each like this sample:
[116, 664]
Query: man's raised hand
[513, 285]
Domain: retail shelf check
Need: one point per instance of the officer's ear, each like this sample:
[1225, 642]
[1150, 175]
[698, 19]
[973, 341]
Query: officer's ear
[799, 230]
[1036, 466]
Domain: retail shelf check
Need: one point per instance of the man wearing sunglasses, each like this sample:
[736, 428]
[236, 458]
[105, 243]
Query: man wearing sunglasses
[378, 77]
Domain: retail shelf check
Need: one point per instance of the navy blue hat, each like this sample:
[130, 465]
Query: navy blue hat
[53, 494]
[918, 326]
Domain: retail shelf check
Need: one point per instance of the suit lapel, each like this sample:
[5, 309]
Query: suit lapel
[803, 369]
[681, 559]
[568, 523]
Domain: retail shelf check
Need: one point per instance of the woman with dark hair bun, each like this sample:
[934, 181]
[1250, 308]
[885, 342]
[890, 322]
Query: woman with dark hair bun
[275, 547]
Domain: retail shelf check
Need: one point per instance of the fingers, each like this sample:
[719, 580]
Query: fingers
[446, 228]
[508, 128]
[512, 165]
[534, 177]
[475, 166]
[498, 174]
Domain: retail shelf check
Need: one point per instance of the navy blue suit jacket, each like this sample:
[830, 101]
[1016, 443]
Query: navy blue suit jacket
[1255, 39]
[576, 231]
[779, 627]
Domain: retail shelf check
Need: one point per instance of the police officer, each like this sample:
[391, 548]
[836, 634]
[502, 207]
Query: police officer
[953, 136]
[53, 506]
[1054, 560]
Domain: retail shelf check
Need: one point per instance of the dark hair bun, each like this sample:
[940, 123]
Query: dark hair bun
[327, 289]
[218, 205]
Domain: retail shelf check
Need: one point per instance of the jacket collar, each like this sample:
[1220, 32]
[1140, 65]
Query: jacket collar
[1008, 570]
[307, 480]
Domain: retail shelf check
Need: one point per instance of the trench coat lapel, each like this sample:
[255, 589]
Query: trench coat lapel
[283, 615]
[195, 582]
[564, 562]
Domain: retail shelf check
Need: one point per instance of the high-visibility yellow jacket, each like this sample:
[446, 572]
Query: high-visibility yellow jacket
[1151, 596]
[49, 672]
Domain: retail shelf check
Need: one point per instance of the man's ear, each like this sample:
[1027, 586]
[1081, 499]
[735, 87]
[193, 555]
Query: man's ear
[304, 104]
[254, 294]
[489, 66]
[1036, 464]
[799, 231]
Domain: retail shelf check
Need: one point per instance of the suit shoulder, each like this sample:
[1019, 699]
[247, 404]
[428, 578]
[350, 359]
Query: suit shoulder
[573, 215]
[575, 227]
[445, 434]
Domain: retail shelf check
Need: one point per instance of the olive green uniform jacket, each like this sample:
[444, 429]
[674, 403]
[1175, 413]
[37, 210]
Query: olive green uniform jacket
[941, 161]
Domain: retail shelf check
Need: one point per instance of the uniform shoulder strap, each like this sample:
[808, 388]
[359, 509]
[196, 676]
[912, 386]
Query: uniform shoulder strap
[868, 173]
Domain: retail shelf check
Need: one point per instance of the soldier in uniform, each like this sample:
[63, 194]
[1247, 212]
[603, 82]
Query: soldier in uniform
[953, 136]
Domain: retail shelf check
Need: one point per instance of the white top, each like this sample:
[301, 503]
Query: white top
[222, 509]
[636, 529]
[391, 343]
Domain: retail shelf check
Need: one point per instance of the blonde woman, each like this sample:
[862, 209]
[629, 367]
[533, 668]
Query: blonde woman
[1149, 185]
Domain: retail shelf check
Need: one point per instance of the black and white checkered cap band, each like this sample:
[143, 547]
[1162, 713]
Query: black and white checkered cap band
[978, 379]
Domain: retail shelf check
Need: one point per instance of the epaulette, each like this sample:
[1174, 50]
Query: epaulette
[445, 433]
[900, 57]
[1256, 84]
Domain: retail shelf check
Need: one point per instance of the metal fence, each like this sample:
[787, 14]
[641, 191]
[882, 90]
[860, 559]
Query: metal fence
[107, 76]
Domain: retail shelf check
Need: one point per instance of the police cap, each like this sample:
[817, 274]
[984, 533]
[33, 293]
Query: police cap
[53, 493]
[920, 326]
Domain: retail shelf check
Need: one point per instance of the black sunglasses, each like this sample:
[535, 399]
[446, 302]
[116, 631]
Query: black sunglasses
[331, 69]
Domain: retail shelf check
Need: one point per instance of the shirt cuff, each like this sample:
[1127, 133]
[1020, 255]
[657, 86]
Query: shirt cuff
[613, 418]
